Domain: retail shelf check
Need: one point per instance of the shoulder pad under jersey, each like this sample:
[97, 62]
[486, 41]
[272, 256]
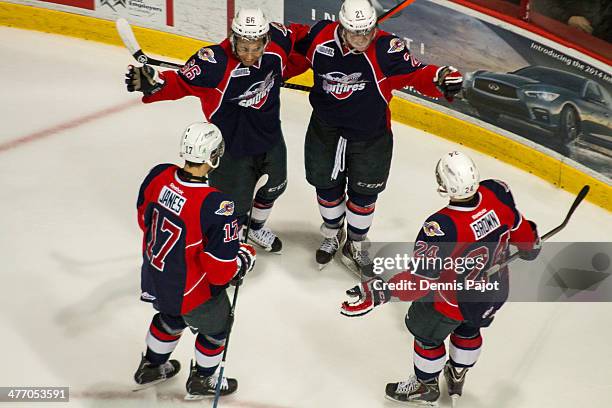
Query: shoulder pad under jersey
[280, 35]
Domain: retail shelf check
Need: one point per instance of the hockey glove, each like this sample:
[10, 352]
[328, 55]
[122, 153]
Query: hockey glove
[531, 254]
[246, 261]
[369, 295]
[144, 79]
[449, 81]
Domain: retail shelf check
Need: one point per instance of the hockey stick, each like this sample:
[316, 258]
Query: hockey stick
[581, 195]
[129, 40]
[394, 10]
[230, 319]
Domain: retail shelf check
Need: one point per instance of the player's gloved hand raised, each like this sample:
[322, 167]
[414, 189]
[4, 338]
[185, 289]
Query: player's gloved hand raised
[531, 254]
[144, 79]
[449, 81]
[369, 294]
[246, 261]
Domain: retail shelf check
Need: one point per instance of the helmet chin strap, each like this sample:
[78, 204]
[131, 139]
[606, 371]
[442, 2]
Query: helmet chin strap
[186, 176]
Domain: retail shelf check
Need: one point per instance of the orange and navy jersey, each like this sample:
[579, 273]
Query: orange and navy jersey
[352, 90]
[190, 240]
[242, 101]
[467, 239]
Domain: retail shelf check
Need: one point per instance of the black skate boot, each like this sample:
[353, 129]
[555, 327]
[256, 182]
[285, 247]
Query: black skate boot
[147, 375]
[333, 239]
[267, 239]
[414, 391]
[356, 257]
[455, 378]
[199, 386]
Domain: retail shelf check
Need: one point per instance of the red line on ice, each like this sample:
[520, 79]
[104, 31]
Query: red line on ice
[71, 124]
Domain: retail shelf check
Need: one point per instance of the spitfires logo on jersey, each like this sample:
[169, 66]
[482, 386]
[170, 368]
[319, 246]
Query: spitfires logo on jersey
[208, 55]
[257, 94]
[433, 229]
[225, 208]
[396, 45]
[342, 85]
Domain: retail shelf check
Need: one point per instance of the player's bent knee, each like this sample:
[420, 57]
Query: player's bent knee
[171, 324]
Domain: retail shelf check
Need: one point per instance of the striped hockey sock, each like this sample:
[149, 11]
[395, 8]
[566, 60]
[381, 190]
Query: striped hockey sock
[161, 341]
[208, 352]
[332, 206]
[464, 351]
[428, 360]
[359, 215]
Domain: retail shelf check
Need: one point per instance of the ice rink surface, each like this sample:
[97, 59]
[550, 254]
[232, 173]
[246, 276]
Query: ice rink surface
[74, 148]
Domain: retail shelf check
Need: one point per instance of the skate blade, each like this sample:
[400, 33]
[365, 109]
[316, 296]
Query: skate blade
[413, 403]
[196, 397]
[351, 266]
[454, 401]
[140, 387]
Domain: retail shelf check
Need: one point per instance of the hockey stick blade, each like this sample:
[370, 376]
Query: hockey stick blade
[579, 198]
[581, 195]
[129, 40]
[260, 183]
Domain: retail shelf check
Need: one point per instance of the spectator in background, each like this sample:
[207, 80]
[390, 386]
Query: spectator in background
[591, 16]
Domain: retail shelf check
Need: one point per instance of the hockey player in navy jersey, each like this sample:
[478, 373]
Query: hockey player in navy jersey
[349, 142]
[238, 84]
[190, 253]
[479, 223]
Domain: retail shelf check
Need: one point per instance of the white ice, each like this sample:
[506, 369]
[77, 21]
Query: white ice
[70, 250]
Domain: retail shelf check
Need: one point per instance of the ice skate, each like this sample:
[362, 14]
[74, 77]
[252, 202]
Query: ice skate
[455, 378]
[147, 375]
[199, 386]
[265, 238]
[333, 239]
[414, 391]
[356, 257]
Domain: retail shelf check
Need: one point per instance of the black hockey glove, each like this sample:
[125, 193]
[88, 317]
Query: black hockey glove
[369, 294]
[449, 81]
[531, 254]
[246, 261]
[144, 79]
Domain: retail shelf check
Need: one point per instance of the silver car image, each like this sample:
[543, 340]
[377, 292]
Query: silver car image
[568, 105]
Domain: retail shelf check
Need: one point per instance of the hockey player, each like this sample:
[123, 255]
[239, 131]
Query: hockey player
[349, 141]
[190, 253]
[237, 82]
[479, 223]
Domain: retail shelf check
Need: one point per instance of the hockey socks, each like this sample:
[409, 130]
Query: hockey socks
[163, 337]
[261, 211]
[465, 349]
[208, 353]
[359, 215]
[428, 360]
[332, 206]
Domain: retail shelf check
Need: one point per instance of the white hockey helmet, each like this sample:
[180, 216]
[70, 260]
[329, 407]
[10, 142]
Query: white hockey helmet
[357, 16]
[457, 176]
[202, 142]
[250, 24]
